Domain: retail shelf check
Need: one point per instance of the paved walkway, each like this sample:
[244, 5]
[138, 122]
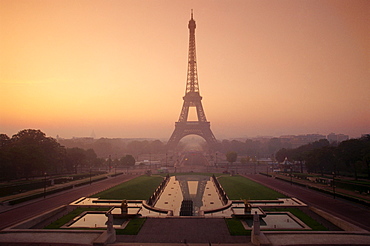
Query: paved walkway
[350, 193]
[50, 188]
[10, 215]
[351, 212]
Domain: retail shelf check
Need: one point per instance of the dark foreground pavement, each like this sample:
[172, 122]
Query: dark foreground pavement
[184, 230]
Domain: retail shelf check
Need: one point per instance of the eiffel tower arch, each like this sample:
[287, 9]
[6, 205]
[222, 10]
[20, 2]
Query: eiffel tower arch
[192, 98]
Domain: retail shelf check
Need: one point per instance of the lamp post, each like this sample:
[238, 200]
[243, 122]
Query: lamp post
[44, 184]
[109, 163]
[255, 165]
[291, 174]
[333, 184]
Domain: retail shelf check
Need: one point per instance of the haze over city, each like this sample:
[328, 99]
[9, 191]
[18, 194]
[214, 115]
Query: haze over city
[118, 68]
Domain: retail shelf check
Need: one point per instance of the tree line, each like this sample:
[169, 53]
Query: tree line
[115, 147]
[350, 157]
[104, 147]
[31, 153]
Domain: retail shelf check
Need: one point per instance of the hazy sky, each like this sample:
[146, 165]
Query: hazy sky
[118, 67]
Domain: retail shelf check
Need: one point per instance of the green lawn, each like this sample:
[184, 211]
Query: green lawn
[236, 228]
[133, 227]
[140, 188]
[238, 187]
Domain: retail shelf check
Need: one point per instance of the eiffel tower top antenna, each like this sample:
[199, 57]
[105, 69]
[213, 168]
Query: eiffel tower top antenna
[192, 78]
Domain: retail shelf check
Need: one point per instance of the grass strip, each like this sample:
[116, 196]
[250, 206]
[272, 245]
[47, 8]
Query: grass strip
[238, 187]
[140, 188]
[236, 228]
[133, 227]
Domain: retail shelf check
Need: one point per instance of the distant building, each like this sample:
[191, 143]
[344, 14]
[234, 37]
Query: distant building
[332, 138]
[299, 140]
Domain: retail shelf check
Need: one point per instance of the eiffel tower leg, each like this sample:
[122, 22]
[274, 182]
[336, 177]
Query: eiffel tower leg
[175, 138]
[183, 129]
[209, 137]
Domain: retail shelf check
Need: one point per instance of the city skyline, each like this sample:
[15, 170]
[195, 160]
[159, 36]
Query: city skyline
[118, 68]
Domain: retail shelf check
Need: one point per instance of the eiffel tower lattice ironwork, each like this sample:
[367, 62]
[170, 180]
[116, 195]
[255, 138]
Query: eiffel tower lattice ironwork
[192, 98]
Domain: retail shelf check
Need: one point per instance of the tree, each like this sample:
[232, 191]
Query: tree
[128, 160]
[231, 156]
[350, 152]
[91, 157]
[33, 153]
[282, 154]
[75, 157]
[274, 144]
[7, 170]
[322, 160]
[4, 140]
[243, 160]
[157, 146]
[366, 153]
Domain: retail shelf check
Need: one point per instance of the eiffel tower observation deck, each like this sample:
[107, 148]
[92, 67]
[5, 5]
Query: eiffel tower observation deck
[192, 98]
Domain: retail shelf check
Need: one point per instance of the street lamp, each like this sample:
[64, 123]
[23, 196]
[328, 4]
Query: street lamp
[291, 174]
[333, 184]
[255, 165]
[45, 184]
[109, 163]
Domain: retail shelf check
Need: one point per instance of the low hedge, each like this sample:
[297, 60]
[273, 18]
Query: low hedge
[116, 174]
[17, 188]
[38, 195]
[92, 181]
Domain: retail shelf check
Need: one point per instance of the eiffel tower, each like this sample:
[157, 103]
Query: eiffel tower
[192, 98]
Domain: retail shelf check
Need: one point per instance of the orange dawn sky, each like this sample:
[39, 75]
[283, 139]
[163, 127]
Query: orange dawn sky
[118, 67]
